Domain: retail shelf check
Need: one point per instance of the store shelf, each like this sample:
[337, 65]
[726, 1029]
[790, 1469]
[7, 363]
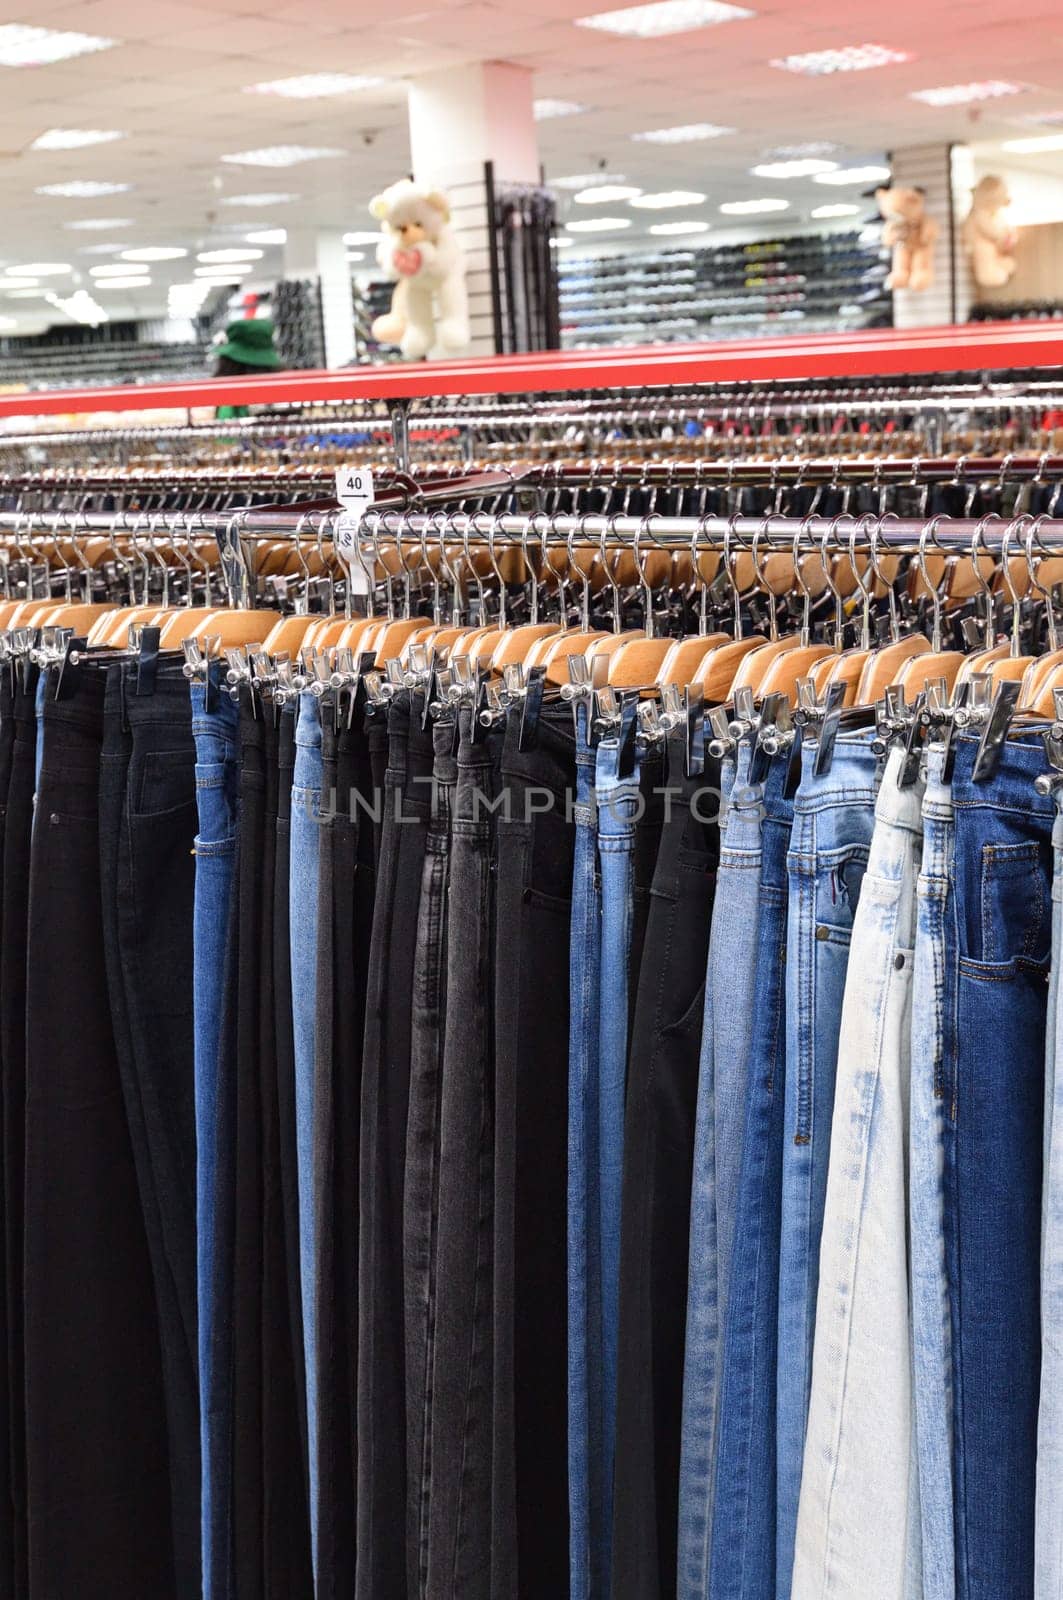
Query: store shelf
[880, 352]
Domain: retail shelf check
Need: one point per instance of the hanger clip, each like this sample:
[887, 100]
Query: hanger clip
[914, 740]
[579, 691]
[67, 668]
[1047, 783]
[996, 729]
[766, 726]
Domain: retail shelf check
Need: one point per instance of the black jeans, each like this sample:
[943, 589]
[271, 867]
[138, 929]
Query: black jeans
[662, 1091]
[345, 909]
[13, 934]
[421, 1200]
[648, 831]
[382, 1161]
[459, 1516]
[7, 1521]
[536, 839]
[97, 1449]
[148, 820]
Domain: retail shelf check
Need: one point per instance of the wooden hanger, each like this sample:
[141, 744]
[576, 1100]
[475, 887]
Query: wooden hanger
[936, 663]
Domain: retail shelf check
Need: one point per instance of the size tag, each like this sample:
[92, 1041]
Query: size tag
[354, 487]
[345, 539]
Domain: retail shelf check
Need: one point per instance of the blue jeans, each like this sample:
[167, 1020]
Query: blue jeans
[725, 1040]
[994, 1161]
[742, 1563]
[305, 858]
[588, 1562]
[834, 815]
[42, 689]
[1049, 1502]
[618, 805]
[933, 1006]
[217, 779]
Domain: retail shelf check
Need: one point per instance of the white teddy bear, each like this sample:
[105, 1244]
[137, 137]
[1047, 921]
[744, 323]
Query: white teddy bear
[430, 307]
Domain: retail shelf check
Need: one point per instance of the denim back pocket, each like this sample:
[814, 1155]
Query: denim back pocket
[1015, 903]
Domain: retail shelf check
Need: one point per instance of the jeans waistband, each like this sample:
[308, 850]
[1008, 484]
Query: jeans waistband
[1011, 786]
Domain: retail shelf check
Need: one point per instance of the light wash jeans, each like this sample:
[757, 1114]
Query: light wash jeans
[719, 1128]
[302, 920]
[588, 1561]
[1048, 1514]
[618, 803]
[834, 816]
[933, 1003]
[858, 1521]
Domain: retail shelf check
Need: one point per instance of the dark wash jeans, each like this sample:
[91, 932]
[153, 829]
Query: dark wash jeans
[421, 1195]
[7, 1521]
[658, 1172]
[100, 1522]
[460, 1509]
[147, 812]
[346, 895]
[384, 1106]
[535, 849]
[18, 824]
[999, 945]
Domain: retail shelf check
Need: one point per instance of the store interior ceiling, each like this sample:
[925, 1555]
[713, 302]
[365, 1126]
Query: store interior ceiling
[174, 87]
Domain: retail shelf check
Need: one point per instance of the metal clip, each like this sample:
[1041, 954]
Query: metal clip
[891, 720]
[579, 691]
[996, 729]
[1047, 783]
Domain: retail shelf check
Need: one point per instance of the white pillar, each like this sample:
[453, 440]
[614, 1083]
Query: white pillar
[934, 168]
[322, 256]
[461, 118]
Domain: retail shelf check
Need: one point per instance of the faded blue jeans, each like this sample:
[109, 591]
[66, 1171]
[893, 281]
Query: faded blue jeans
[1048, 1569]
[305, 860]
[217, 783]
[933, 1007]
[618, 805]
[834, 816]
[725, 1042]
[588, 1561]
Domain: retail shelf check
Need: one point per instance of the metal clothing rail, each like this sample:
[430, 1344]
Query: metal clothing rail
[872, 353]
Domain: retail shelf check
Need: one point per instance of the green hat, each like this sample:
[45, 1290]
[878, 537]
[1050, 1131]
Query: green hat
[250, 340]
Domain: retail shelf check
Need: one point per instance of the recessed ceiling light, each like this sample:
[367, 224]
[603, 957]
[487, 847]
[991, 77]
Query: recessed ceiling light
[258, 199]
[218, 257]
[962, 94]
[356, 255]
[22, 46]
[24, 294]
[362, 237]
[123, 283]
[753, 208]
[850, 58]
[664, 228]
[664, 17]
[155, 252]
[315, 85]
[16, 281]
[267, 236]
[848, 175]
[1035, 145]
[40, 269]
[80, 306]
[543, 110]
[586, 180]
[230, 274]
[560, 242]
[668, 199]
[836, 211]
[74, 138]
[803, 167]
[282, 155]
[82, 189]
[604, 194]
[8, 322]
[598, 224]
[112, 269]
[684, 133]
[790, 152]
[100, 250]
[99, 224]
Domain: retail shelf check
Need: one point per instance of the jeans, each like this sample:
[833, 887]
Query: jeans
[214, 722]
[304, 845]
[658, 1166]
[534, 844]
[858, 1524]
[833, 820]
[587, 1559]
[7, 1331]
[933, 1010]
[1048, 1549]
[994, 1161]
[719, 1125]
[618, 807]
[742, 1565]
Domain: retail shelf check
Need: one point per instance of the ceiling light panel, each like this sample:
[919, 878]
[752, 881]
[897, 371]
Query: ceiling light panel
[315, 85]
[664, 17]
[598, 224]
[586, 180]
[282, 155]
[258, 199]
[844, 176]
[268, 236]
[1035, 146]
[604, 194]
[22, 46]
[75, 138]
[123, 283]
[22, 293]
[98, 224]
[753, 208]
[361, 237]
[793, 152]
[803, 167]
[965, 94]
[666, 229]
[669, 200]
[82, 189]
[40, 269]
[684, 133]
[217, 258]
[100, 250]
[824, 212]
[155, 252]
[850, 58]
[544, 110]
[112, 269]
[560, 242]
[230, 274]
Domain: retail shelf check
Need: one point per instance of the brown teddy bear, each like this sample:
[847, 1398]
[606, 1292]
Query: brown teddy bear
[987, 239]
[910, 234]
